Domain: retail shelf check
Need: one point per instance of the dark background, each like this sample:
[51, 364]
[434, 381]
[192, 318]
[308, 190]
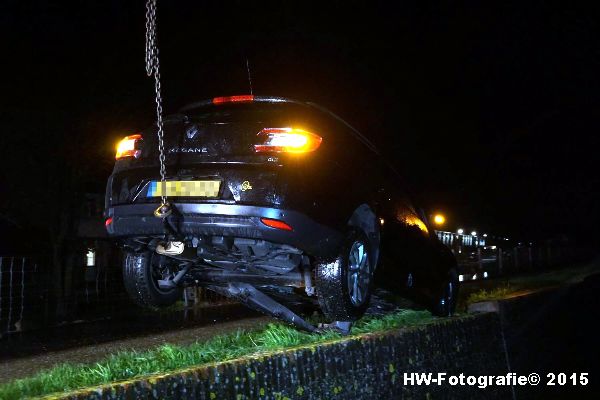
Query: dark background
[491, 112]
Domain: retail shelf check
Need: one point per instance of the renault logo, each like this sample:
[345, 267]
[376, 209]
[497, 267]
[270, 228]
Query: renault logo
[192, 131]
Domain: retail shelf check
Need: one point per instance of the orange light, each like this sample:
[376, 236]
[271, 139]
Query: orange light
[233, 99]
[287, 140]
[439, 219]
[275, 223]
[126, 147]
[414, 221]
[411, 219]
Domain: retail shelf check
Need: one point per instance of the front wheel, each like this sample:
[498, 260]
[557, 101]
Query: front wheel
[344, 285]
[141, 272]
[445, 304]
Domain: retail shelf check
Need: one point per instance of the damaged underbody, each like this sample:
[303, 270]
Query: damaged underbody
[258, 273]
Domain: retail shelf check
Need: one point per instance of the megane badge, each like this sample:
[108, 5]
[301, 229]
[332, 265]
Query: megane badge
[174, 150]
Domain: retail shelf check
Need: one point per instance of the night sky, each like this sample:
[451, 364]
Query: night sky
[492, 113]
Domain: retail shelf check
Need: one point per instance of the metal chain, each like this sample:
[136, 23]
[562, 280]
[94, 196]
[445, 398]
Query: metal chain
[152, 69]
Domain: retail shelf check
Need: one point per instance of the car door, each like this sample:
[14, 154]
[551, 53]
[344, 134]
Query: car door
[407, 255]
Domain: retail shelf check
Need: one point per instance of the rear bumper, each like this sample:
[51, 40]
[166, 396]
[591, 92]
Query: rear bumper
[193, 219]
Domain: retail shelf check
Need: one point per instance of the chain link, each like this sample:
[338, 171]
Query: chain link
[152, 69]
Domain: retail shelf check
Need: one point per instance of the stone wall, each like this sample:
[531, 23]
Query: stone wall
[367, 367]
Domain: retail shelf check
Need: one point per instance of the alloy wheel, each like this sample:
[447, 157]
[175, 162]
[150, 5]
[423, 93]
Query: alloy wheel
[359, 273]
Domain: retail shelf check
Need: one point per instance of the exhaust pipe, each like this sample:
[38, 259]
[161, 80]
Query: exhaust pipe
[174, 249]
[170, 248]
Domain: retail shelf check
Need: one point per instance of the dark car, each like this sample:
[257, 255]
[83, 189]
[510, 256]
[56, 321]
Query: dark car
[272, 201]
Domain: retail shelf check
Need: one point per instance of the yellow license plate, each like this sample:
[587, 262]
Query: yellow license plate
[184, 189]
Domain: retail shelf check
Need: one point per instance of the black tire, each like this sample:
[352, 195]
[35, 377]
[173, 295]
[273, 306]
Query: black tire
[445, 304]
[141, 284]
[332, 282]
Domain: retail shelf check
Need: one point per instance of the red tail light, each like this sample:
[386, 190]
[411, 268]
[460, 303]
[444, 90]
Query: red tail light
[287, 140]
[233, 99]
[108, 221]
[275, 223]
[127, 147]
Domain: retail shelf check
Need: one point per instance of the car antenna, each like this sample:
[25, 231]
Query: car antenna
[249, 76]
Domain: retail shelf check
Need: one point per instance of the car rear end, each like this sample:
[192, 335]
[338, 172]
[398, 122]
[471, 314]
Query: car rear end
[246, 176]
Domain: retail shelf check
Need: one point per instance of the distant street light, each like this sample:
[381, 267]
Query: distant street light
[460, 231]
[439, 219]
[474, 233]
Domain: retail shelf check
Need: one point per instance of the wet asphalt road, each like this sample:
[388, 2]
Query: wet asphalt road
[28, 352]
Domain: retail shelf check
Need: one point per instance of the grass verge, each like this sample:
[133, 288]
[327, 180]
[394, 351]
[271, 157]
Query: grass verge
[492, 294]
[130, 364]
[505, 287]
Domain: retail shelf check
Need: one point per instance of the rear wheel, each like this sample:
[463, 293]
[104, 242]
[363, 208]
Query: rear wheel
[141, 273]
[344, 285]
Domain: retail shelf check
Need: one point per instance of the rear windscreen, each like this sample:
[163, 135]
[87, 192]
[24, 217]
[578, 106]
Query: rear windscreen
[248, 112]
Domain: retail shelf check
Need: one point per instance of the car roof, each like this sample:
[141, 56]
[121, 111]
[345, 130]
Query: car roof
[255, 99]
